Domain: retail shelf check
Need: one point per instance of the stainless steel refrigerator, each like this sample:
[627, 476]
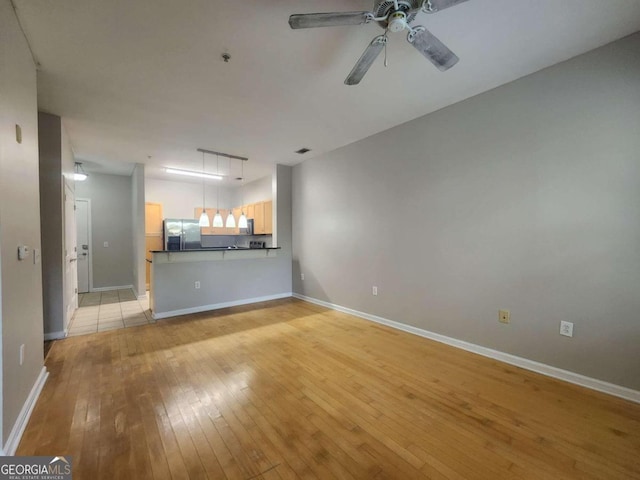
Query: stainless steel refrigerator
[181, 234]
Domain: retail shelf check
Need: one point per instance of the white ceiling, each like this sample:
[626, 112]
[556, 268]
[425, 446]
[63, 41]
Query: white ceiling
[145, 78]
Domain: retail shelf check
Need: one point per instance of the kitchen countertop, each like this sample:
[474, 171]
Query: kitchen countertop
[215, 249]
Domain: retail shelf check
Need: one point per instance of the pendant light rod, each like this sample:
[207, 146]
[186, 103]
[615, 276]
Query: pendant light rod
[228, 155]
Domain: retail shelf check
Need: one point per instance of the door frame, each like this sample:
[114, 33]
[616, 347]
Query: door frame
[69, 308]
[89, 234]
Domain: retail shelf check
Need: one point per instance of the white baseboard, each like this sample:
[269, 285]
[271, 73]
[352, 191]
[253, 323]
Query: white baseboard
[217, 306]
[55, 335]
[23, 417]
[548, 370]
[108, 289]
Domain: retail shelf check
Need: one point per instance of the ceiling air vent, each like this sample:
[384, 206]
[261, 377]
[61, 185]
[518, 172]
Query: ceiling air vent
[303, 151]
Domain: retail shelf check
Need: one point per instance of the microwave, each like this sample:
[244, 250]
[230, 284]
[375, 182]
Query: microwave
[249, 229]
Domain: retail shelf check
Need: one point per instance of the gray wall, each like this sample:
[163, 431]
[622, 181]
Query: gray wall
[20, 281]
[137, 229]
[180, 199]
[111, 221]
[525, 198]
[51, 220]
[55, 161]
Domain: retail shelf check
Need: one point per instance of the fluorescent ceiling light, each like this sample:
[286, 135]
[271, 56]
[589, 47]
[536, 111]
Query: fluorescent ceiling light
[79, 174]
[189, 173]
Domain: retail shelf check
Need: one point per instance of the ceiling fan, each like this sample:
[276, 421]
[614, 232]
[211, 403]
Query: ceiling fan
[393, 16]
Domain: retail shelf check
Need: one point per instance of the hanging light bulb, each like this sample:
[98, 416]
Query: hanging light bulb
[242, 221]
[204, 218]
[217, 219]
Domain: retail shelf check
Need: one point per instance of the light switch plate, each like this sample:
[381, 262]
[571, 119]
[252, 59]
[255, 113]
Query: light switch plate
[23, 252]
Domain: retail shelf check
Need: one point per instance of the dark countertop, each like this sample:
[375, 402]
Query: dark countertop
[214, 249]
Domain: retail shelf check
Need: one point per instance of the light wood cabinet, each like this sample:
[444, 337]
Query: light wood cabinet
[250, 210]
[268, 217]
[258, 220]
[261, 213]
[263, 220]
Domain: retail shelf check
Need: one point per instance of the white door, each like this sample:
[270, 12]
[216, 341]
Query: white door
[70, 256]
[84, 246]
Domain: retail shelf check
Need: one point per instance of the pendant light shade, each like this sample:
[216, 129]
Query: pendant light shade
[204, 218]
[217, 220]
[231, 222]
[242, 221]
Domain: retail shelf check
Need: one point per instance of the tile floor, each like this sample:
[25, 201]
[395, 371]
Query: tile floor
[102, 311]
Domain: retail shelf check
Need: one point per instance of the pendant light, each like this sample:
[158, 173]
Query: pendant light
[231, 221]
[78, 174]
[217, 219]
[204, 218]
[242, 221]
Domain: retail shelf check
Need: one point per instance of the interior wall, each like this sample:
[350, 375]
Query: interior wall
[180, 199]
[55, 163]
[253, 192]
[111, 222]
[523, 198]
[20, 281]
[137, 229]
[51, 221]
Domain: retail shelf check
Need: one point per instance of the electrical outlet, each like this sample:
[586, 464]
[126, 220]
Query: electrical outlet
[21, 354]
[374, 290]
[504, 316]
[566, 329]
[302, 276]
[106, 244]
[197, 284]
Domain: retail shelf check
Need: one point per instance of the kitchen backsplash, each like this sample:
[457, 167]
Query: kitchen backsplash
[209, 241]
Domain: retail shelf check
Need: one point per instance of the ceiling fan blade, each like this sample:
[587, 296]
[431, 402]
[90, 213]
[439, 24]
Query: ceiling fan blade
[433, 49]
[310, 20]
[366, 60]
[433, 6]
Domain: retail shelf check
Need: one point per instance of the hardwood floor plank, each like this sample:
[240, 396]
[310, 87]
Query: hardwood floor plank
[288, 390]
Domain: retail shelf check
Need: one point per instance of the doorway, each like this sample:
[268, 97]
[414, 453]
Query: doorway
[83, 223]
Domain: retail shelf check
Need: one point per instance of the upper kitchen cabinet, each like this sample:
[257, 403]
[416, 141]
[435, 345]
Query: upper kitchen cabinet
[268, 217]
[263, 219]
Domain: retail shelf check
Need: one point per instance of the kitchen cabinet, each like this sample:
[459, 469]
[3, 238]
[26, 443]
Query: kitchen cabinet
[268, 217]
[258, 219]
[263, 220]
[261, 213]
[250, 210]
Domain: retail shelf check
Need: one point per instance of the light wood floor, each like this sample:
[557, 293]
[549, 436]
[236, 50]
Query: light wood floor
[288, 390]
